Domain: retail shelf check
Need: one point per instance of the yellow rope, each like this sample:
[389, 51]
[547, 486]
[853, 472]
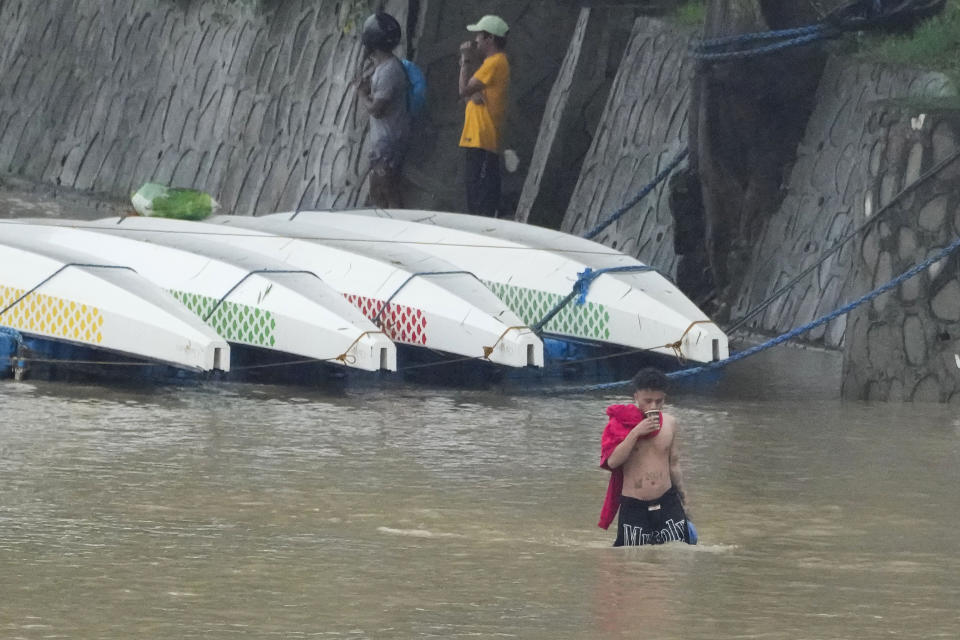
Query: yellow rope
[489, 350]
[348, 360]
[678, 345]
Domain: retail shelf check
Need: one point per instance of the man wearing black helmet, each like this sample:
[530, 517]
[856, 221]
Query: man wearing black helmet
[385, 95]
[486, 94]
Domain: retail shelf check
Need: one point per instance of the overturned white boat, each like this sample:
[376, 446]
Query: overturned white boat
[249, 298]
[58, 296]
[534, 270]
[420, 300]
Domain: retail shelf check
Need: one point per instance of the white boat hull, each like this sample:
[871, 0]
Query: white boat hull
[277, 310]
[421, 300]
[104, 307]
[639, 310]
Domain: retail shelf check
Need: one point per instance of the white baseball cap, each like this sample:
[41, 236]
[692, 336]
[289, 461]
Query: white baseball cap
[491, 24]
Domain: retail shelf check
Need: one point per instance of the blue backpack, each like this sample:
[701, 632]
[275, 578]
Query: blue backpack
[416, 88]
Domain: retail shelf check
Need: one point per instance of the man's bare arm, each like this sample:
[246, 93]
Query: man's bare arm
[469, 86]
[625, 448]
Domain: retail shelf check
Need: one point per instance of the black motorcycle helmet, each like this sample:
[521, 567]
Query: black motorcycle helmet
[381, 31]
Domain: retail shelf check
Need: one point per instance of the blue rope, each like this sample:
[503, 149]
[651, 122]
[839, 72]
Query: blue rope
[683, 373]
[855, 16]
[841, 242]
[586, 277]
[709, 43]
[580, 289]
[616, 215]
[820, 34]
[11, 333]
[17, 339]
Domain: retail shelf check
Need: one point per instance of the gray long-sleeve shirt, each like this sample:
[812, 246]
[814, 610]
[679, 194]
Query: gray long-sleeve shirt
[390, 132]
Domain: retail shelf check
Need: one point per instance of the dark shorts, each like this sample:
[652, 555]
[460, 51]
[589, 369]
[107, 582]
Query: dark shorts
[651, 521]
[483, 182]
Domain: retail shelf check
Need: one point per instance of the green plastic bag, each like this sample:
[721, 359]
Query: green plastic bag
[158, 200]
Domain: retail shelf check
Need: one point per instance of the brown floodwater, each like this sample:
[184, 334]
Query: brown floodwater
[222, 511]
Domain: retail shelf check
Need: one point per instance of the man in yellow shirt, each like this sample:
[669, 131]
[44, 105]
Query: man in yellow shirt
[486, 95]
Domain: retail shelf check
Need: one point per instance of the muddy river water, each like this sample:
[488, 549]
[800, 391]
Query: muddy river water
[222, 511]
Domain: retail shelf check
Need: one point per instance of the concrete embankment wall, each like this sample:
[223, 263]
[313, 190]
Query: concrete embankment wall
[256, 108]
[852, 161]
[905, 344]
[643, 127]
[873, 135]
[253, 101]
[839, 179]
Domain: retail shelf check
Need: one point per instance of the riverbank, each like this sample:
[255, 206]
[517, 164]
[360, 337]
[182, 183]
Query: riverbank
[21, 198]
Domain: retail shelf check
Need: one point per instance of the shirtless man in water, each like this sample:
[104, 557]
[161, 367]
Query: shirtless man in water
[646, 485]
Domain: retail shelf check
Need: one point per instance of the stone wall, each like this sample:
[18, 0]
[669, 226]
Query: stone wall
[834, 183]
[573, 111]
[838, 180]
[861, 148]
[643, 127]
[539, 32]
[905, 344]
[546, 170]
[251, 101]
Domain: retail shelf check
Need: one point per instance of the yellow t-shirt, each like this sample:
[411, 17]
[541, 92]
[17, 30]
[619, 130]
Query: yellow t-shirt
[483, 123]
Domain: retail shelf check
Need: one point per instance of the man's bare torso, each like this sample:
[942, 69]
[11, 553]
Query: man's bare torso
[646, 473]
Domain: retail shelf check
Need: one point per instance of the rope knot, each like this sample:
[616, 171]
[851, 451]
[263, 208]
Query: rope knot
[582, 286]
[345, 357]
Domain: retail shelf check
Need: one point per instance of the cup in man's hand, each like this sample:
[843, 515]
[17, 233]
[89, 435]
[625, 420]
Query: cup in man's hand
[469, 53]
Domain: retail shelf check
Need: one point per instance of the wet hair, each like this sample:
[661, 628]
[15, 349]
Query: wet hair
[649, 378]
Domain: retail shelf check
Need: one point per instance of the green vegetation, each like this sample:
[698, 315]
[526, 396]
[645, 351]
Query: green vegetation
[691, 13]
[933, 44]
